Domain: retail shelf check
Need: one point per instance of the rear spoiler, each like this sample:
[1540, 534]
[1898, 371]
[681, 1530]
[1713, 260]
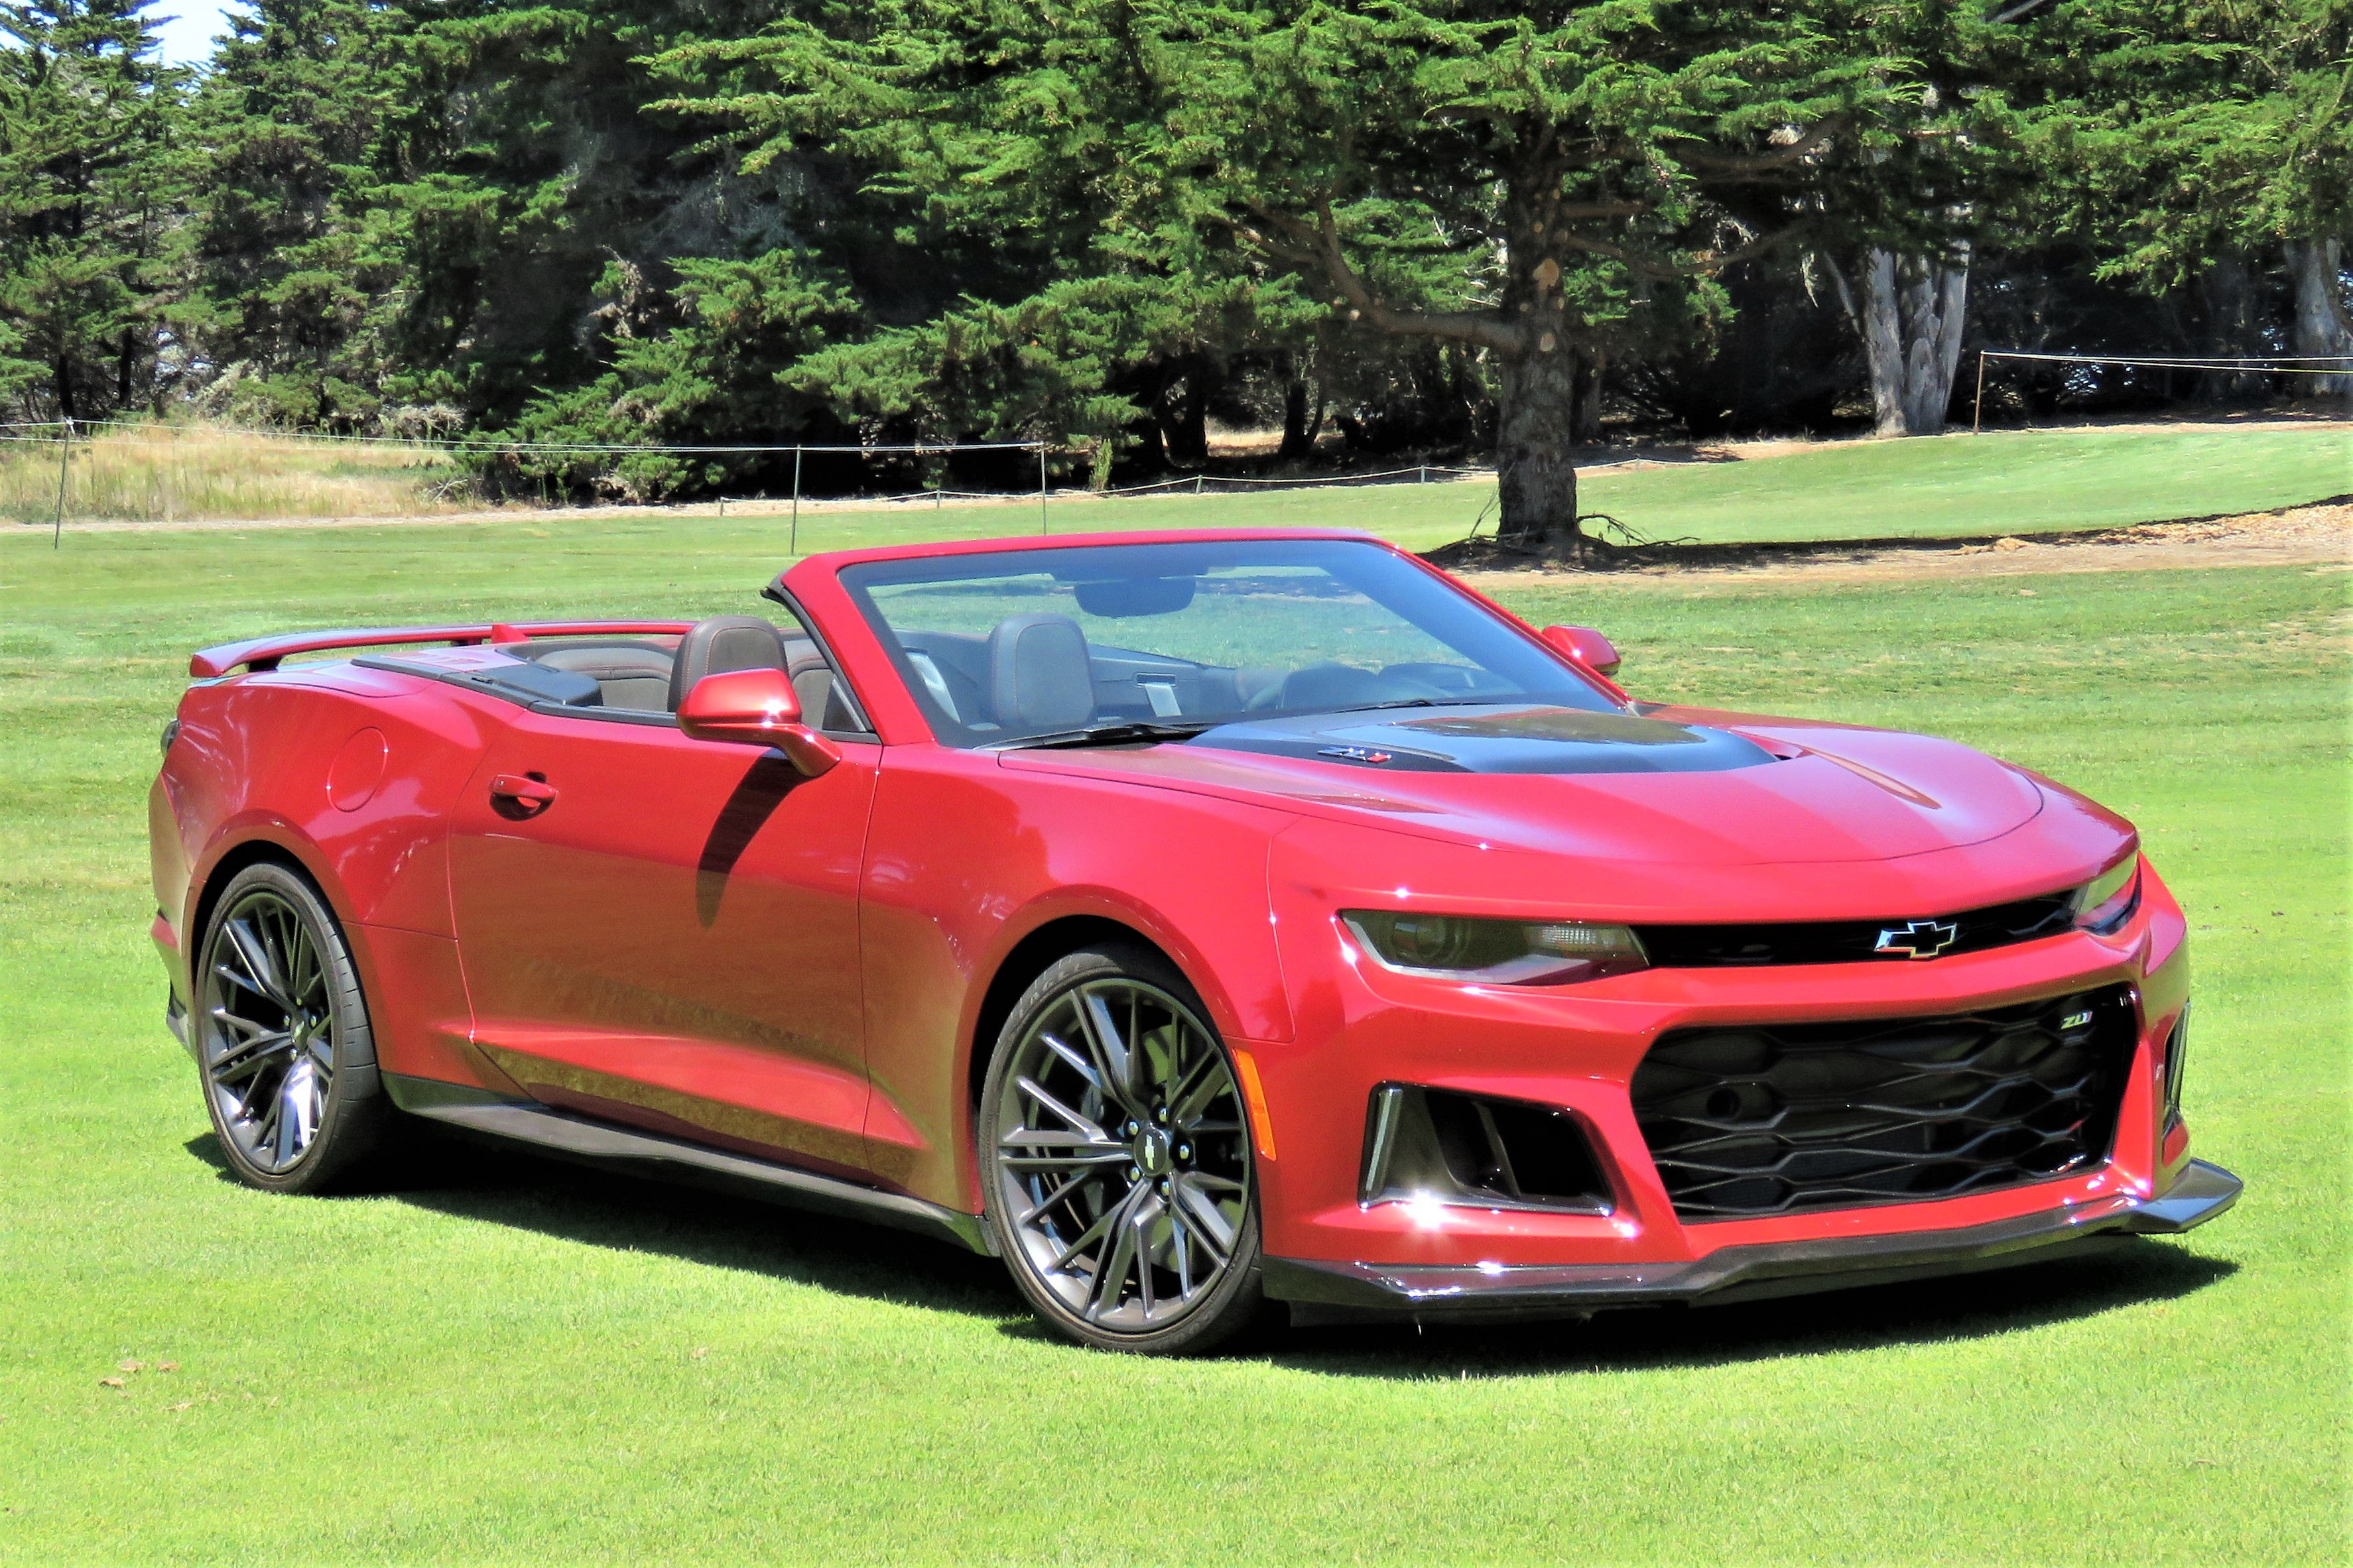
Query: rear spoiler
[266, 653]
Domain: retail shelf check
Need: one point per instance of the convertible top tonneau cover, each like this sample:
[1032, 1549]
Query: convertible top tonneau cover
[265, 653]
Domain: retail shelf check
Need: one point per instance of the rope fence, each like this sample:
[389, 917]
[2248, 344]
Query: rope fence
[2339, 365]
[137, 434]
[141, 436]
[1198, 483]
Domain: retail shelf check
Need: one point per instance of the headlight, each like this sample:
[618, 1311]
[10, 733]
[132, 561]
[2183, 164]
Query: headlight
[2107, 901]
[1500, 952]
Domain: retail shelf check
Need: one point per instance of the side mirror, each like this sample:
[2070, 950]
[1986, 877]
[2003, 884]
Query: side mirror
[1586, 646]
[755, 707]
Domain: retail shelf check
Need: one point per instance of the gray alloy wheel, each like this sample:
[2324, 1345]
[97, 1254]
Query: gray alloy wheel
[283, 1036]
[1117, 1162]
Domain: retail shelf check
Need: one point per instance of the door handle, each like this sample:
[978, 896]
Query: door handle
[523, 793]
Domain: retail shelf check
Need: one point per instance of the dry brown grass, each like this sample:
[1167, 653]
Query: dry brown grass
[190, 473]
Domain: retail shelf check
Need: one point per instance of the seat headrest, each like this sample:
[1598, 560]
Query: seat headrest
[1040, 676]
[721, 644]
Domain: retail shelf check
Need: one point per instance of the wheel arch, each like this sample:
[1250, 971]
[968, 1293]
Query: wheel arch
[223, 868]
[1036, 953]
[263, 850]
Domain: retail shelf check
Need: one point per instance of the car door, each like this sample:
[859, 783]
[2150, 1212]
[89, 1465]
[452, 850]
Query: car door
[671, 940]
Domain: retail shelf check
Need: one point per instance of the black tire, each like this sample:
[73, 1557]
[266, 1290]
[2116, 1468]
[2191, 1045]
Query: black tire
[1161, 1158]
[273, 976]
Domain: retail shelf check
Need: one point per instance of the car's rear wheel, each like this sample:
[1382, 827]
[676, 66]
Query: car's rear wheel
[282, 1037]
[1117, 1159]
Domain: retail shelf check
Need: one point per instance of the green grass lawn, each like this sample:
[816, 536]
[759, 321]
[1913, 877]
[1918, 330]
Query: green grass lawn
[518, 1362]
[2002, 482]
[1960, 486]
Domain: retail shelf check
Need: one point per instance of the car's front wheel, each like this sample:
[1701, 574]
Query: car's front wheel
[282, 1037]
[1117, 1158]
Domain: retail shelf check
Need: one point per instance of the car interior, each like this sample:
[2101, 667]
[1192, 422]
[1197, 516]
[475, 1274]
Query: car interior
[1034, 673]
[653, 674]
[1027, 675]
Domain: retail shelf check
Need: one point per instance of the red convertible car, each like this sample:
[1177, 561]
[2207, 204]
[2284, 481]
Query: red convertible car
[1193, 921]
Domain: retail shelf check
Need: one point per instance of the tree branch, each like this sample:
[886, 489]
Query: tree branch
[1845, 295]
[1666, 271]
[1316, 247]
[1598, 209]
[1734, 165]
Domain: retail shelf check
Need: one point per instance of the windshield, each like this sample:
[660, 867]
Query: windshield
[1028, 644]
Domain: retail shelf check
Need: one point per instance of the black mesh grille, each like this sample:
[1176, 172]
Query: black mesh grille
[1802, 1116]
[1848, 941]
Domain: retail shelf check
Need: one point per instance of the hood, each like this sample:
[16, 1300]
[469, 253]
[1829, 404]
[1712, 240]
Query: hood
[1612, 786]
[1524, 738]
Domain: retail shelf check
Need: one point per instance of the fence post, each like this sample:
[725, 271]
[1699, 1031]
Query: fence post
[1197, 484]
[1976, 415]
[794, 548]
[65, 451]
[1421, 474]
[1041, 489]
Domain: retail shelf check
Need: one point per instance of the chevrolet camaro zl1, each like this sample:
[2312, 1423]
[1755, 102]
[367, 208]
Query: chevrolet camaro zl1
[1193, 921]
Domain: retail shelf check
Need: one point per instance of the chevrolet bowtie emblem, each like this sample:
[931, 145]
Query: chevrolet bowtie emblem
[1919, 939]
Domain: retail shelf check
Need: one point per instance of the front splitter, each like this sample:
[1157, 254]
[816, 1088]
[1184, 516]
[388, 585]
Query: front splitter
[1334, 1292]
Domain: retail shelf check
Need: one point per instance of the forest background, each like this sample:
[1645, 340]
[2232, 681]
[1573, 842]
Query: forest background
[1449, 229]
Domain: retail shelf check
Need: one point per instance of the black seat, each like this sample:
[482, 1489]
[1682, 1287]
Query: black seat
[1040, 676]
[721, 644]
[824, 701]
[633, 675]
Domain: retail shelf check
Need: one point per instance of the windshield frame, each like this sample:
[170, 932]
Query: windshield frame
[1538, 670]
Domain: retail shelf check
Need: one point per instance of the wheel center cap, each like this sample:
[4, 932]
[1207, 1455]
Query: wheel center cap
[1152, 1152]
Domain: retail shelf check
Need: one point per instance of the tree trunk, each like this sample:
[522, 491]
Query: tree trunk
[126, 362]
[1589, 398]
[2235, 324]
[2321, 327]
[1912, 313]
[1302, 417]
[1537, 398]
[1186, 426]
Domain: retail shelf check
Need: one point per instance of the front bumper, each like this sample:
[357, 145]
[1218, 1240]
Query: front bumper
[1338, 1292]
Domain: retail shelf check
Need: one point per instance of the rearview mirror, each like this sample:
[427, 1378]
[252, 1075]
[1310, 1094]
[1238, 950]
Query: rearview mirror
[1123, 597]
[755, 707]
[1586, 646]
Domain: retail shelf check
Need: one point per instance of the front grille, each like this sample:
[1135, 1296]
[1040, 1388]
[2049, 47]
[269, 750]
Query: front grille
[1848, 941]
[1769, 1119]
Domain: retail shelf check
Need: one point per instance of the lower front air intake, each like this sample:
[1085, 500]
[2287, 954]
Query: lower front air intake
[1435, 1144]
[1767, 1119]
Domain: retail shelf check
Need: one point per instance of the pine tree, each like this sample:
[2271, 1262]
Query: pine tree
[290, 118]
[1541, 185]
[2189, 138]
[92, 191]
